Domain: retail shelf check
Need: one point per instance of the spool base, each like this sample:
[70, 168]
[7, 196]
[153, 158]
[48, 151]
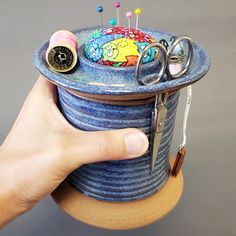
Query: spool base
[120, 216]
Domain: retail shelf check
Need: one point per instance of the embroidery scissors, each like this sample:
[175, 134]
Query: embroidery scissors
[160, 111]
[158, 124]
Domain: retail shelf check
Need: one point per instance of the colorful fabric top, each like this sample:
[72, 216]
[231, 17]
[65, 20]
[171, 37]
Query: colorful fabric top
[119, 47]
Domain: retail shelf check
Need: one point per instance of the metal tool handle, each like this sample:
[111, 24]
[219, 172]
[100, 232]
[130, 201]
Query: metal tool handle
[167, 59]
[170, 50]
[163, 65]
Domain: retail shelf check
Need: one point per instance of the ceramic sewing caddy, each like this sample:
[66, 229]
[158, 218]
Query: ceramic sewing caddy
[124, 194]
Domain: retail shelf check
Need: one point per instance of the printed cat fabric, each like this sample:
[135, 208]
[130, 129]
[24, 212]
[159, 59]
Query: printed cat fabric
[119, 47]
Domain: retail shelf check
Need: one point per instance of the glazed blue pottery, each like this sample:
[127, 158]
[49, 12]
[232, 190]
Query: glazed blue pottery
[97, 97]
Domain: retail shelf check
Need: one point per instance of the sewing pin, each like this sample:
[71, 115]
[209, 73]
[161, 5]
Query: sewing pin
[100, 11]
[129, 16]
[112, 22]
[137, 12]
[117, 6]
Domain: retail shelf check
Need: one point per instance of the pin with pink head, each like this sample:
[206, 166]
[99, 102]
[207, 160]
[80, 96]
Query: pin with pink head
[117, 6]
[129, 16]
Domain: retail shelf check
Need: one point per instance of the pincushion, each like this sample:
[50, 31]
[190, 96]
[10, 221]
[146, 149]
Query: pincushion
[119, 47]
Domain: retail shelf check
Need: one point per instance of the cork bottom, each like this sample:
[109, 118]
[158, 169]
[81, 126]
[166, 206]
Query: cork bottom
[120, 216]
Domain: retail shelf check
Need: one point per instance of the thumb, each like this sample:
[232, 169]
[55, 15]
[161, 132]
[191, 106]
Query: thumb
[90, 147]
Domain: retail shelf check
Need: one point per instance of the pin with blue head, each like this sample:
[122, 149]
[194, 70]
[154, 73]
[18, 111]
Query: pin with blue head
[100, 10]
[112, 22]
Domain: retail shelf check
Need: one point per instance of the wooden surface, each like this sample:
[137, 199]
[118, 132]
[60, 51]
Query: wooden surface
[120, 216]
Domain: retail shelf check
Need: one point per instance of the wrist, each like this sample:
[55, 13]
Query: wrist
[9, 211]
[10, 206]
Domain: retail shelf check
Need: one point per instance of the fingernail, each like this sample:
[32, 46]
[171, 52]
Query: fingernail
[136, 144]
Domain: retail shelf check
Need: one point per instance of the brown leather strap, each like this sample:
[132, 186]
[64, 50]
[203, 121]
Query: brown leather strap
[178, 162]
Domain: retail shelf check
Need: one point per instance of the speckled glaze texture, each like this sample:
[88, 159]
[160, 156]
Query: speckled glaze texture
[92, 78]
[119, 180]
[83, 98]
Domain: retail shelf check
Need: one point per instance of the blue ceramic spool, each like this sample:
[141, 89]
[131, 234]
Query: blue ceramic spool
[96, 97]
[119, 180]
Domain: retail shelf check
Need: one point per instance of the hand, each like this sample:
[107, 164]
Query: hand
[43, 148]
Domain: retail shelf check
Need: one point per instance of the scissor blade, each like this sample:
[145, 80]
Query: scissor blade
[158, 132]
[156, 146]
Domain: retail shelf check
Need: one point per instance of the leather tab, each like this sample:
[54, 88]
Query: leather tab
[178, 162]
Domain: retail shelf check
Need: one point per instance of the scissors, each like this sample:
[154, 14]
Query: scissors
[160, 111]
[159, 115]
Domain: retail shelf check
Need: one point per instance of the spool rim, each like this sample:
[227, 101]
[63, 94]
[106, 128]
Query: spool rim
[66, 32]
[68, 46]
